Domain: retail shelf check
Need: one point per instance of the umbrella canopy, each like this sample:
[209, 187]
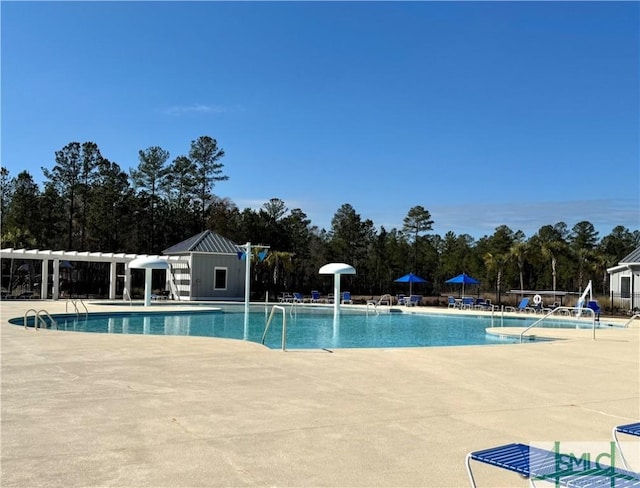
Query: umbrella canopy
[463, 278]
[411, 279]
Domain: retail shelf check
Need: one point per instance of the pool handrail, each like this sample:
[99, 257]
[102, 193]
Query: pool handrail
[75, 306]
[127, 296]
[284, 325]
[628, 322]
[562, 309]
[37, 319]
[53, 321]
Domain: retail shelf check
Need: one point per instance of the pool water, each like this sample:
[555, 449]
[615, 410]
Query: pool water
[307, 327]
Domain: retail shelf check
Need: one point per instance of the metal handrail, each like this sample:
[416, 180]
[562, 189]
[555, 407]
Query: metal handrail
[294, 308]
[37, 319]
[284, 325]
[35, 312]
[631, 320]
[374, 305]
[126, 292]
[551, 312]
[75, 306]
[53, 321]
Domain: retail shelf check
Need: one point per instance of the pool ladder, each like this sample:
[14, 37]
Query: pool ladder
[628, 322]
[38, 319]
[563, 311]
[75, 306]
[284, 325]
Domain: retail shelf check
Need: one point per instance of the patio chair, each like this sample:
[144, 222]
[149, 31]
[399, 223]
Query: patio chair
[483, 304]
[315, 296]
[523, 306]
[467, 303]
[286, 298]
[628, 429]
[297, 297]
[346, 297]
[540, 464]
[593, 305]
[413, 300]
[401, 299]
[452, 303]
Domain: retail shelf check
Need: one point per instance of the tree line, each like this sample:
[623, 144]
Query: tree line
[89, 203]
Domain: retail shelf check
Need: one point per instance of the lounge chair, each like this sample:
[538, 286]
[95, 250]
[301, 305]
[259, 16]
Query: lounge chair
[297, 297]
[346, 297]
[593, 305]
[286, 298]
[523, 306]
[467, 303]
[400, 299]
[628, 429]
[540, 464]
[484, 304]
[452, 303]
[413, 300]
[315, 296]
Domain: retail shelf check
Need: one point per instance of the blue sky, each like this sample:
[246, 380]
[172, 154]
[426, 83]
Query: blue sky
[485, 114]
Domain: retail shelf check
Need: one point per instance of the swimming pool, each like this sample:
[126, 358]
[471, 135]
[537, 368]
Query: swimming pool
[307, 327]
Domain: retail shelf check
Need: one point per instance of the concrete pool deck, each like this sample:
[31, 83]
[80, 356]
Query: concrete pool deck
[94, 410]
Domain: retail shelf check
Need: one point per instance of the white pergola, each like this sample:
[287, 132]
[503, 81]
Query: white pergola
[58, 256]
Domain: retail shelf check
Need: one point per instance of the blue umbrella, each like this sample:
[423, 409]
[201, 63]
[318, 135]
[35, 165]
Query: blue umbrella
[411, 279]
[463, 278]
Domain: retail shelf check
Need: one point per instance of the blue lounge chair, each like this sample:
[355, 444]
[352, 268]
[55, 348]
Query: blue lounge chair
[346, 297]
[297, 297]
[413, 300]
[315, 296]
[401, 299]
[628, 429]
[593, 305]
[483, 304]
[468, 303]
[540, 464]
[452, 303]
[523, 306]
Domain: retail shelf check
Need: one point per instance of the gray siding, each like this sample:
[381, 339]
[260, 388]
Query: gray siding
[203, 273]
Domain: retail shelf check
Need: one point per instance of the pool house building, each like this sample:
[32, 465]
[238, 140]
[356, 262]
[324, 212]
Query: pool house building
[205, 266]
[624, 282]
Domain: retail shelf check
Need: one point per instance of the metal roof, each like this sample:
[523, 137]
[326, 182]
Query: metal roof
[633, 257]
[205, 242]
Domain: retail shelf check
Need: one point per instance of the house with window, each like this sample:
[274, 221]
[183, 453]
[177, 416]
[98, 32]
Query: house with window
[624, 282]
[203, 267]
[207, 268]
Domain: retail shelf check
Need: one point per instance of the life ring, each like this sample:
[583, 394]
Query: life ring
[537, 299]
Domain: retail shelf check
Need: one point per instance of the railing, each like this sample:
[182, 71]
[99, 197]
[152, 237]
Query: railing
[626, 324]
[37, 318]
[35, 313]
[374, 305]
[566, 311]
[284, 325]
[126, 295]
[294, 308]
[75, 306]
